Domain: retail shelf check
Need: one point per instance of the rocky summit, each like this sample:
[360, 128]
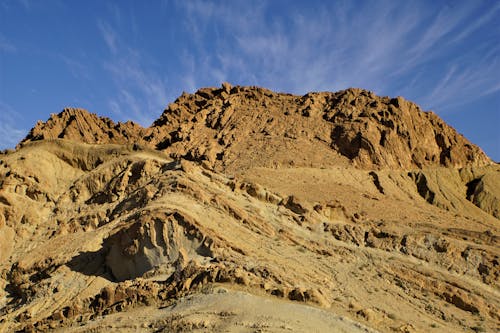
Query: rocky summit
[245, 210]
[241, 127]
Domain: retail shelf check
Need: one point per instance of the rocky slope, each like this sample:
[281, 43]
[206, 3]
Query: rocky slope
[241, 209]
[240, 127]
[81, 126]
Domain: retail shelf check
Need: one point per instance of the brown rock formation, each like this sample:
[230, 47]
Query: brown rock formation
[240, 127]
[378, 214]
[82, 126]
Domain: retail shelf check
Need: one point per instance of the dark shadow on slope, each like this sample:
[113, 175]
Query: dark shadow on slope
[92, 264]
[471, 188]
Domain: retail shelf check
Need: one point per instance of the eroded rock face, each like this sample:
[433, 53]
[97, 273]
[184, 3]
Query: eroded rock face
[483, 188]
[358, 204]
[82, 126]
[236, 127]
[152, 241]
[369, 130]
[379, 131]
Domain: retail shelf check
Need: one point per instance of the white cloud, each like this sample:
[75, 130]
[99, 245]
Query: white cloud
[6, 45]
[10, 133]
[386, 46]
[76, 68]
[478, 23]
[390, 47]
[141, 93]
[109, 36]
[463, 82]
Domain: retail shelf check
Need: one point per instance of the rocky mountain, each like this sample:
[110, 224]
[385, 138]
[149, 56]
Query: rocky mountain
[81, 126]
[238, 127]
[244, 210]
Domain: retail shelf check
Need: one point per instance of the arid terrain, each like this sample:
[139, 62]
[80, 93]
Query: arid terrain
[245, 210]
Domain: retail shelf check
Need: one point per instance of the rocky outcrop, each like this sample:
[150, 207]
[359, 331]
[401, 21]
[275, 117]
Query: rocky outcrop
[82, 126]
[231, 123]
[164, 240]
[393, 132]
[239, 127]
[483, 188]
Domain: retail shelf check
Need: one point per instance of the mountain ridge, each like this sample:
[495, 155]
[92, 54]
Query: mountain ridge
[223, 125]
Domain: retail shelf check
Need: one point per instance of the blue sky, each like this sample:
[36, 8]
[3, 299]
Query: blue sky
[130, 59]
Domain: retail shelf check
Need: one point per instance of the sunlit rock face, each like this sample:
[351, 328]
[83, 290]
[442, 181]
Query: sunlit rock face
[245, 209]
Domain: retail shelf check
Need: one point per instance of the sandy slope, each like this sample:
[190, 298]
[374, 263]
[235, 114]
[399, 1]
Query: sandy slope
[223, 310]
[327, 237]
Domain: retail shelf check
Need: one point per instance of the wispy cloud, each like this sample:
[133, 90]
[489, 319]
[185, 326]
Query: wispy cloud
[6, 45]
[298, 54]
[141, 93]
[478, 23]
[10, 134]
[109, 36]
[386, 46]
[466, 81]
[77, 68]
[26, 4]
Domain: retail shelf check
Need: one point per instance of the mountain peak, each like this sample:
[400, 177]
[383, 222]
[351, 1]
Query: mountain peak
[241, 126]
[79, 125]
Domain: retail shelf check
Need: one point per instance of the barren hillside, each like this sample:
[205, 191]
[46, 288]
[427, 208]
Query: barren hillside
[245, 210]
